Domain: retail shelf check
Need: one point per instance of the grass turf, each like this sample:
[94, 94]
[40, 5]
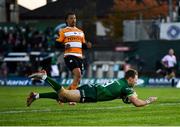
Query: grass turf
[13, 111]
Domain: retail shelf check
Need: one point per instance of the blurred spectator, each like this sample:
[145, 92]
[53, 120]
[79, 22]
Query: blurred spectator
[155, 29]
[3, 70]
[24, 69]
[26, 39]
[135, 62]
[64, 71]
[54, 66]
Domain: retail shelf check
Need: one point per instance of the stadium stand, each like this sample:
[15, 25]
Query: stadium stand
[106, 59]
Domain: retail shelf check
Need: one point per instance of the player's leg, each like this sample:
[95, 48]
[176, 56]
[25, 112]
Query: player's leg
[171, 76]
[65, 95]
[56, 86]
[34, 96]
[74, 64]
[70, 95]
[76, 78]
[52, 95]
[42, 75]
[77, 73]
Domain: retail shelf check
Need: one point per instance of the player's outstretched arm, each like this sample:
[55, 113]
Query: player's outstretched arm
[139, 103]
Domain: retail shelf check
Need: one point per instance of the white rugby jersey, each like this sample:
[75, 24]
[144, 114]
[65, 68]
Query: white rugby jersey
[170, 60]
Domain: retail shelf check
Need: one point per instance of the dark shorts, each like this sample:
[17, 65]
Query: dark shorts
[170, 70]
[74, 62]
[88, 93]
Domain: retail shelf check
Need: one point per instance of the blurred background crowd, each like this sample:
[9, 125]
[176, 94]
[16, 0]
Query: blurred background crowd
[124, 33]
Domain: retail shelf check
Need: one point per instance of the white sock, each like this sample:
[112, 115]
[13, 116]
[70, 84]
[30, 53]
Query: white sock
[37, 96]
[44, 77]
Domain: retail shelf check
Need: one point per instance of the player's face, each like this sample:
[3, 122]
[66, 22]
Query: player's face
[171, 52]
[71, 20]
[133, 81]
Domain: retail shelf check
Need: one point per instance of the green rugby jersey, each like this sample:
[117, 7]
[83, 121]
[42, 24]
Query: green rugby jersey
[112, 90]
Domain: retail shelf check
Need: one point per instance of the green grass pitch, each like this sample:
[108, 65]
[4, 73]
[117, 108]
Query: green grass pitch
[13, 111]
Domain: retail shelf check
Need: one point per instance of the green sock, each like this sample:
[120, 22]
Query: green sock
[53, 84]
[51, 95]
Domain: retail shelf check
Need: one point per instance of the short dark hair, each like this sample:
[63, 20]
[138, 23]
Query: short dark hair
[130, 73]
[67, 15]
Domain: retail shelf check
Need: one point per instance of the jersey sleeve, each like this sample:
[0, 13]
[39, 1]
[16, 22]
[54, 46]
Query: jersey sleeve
[129, 91]
[61, 36]
[164, 59]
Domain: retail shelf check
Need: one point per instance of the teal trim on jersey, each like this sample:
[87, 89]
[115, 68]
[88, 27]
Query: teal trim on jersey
[117, 82]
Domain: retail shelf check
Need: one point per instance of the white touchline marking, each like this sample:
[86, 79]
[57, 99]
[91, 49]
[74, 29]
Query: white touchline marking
[23, 111]
[50, 110]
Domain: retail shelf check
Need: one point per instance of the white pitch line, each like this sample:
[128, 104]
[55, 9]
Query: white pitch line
[49, 110]
[24, 111]
[103, 108]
